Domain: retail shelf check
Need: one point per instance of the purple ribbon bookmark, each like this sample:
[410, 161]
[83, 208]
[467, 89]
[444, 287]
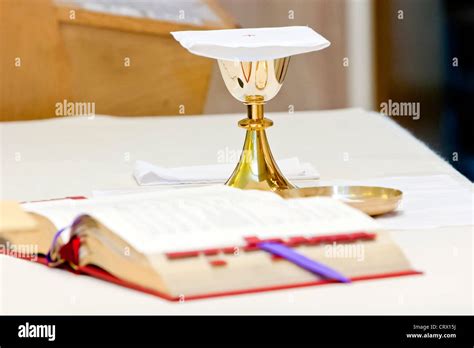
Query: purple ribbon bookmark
[302, 261]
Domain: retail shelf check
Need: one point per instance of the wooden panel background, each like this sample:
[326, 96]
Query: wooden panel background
[83, 61]
[29, 31]
[161, 76]
[123, 65]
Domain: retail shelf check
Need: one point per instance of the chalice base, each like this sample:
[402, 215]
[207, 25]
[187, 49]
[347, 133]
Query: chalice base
[257, 170]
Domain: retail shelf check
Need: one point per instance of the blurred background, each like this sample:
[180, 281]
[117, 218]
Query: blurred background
[119, 55]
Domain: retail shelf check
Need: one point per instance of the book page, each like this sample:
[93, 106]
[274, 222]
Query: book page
[207, 217]
[14, 219]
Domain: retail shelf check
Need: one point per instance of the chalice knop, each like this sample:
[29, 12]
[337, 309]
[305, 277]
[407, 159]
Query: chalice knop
[254, 84]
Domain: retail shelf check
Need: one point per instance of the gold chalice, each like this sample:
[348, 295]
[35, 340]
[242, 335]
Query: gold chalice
[255, 83]
[254, 77]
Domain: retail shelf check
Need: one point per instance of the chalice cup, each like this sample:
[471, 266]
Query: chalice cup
[254, 84]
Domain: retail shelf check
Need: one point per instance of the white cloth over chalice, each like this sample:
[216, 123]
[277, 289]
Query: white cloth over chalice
[249, 45]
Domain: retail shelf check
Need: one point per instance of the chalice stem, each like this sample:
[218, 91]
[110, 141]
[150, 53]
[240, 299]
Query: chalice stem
[257, 168]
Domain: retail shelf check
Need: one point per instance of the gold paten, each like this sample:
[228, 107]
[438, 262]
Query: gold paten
[371, 200]
[255, 83]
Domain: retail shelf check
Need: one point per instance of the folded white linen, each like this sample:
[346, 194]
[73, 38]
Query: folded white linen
[429, 201]
[146, 173]
[251, 44]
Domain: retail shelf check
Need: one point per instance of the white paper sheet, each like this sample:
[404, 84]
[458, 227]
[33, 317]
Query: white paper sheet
[251, 44]
[429, 201]
[148, 174]
[196, 12]
[206, 217]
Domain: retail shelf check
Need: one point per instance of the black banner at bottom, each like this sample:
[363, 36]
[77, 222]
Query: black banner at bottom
[290, 331]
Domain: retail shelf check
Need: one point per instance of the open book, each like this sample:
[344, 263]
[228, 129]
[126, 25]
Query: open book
[199, 242]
